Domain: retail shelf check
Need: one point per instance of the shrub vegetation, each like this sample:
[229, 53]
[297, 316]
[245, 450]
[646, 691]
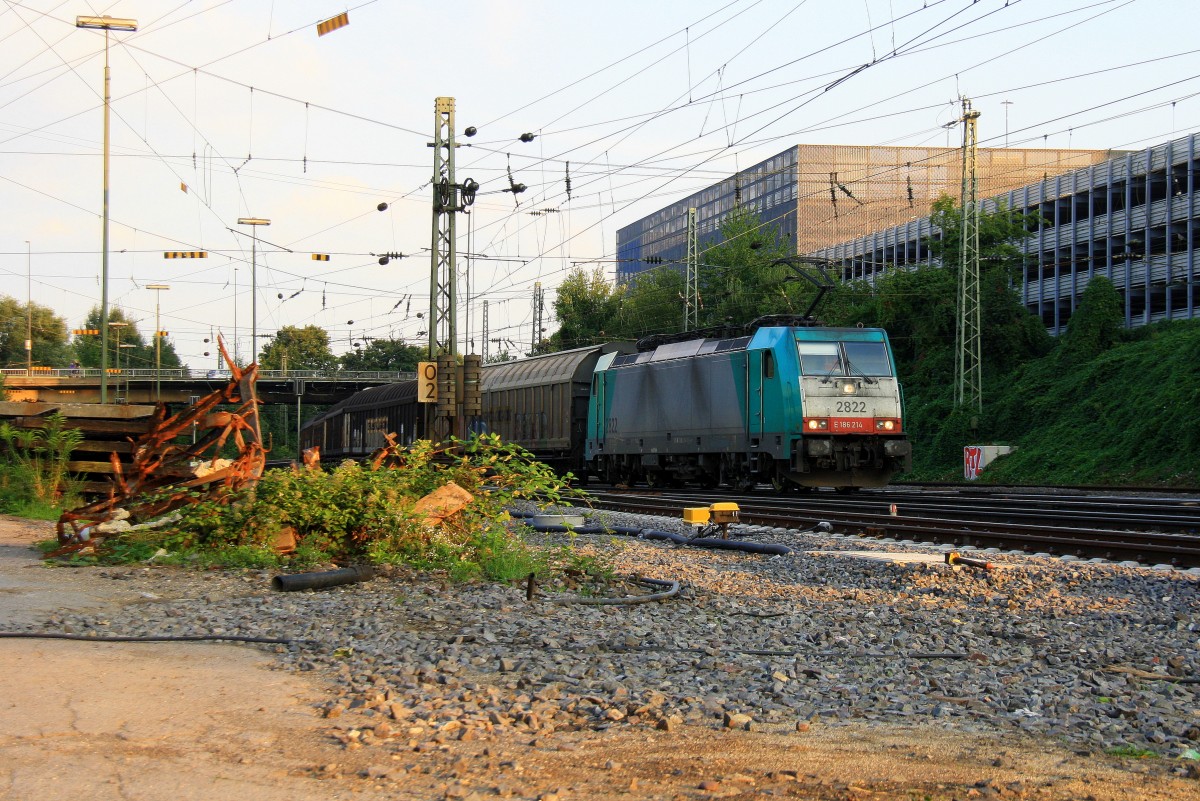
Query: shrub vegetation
[359, 513]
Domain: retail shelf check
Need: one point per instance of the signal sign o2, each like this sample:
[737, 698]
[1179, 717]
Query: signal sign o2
[427, 374]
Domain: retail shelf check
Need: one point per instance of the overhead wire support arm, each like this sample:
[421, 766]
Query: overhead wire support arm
[813, 269]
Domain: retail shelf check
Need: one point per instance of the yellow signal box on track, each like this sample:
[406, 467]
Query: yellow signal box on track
[716, 517]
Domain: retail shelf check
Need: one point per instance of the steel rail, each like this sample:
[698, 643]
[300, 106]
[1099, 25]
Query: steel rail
[1181, 516]
[1144, 547]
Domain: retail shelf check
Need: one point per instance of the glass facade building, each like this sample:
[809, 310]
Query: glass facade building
[1132, 219]
[815, 196]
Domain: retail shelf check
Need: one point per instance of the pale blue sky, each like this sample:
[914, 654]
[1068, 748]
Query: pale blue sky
[243, 103]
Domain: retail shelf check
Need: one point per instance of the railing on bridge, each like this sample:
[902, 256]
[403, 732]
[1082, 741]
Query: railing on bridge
[186, 374]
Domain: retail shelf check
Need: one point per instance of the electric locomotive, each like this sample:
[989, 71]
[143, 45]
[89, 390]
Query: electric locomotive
[793, 405]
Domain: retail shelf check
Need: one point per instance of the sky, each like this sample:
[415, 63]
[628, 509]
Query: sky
[223, 109]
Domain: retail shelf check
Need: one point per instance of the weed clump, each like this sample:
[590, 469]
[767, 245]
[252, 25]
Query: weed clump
[357, 512]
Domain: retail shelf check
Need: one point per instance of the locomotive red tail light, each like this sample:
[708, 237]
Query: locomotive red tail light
[816, 424]
[886, 424]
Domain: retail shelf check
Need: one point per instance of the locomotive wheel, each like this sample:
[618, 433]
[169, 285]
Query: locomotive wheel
[782, 484]
[846, 490]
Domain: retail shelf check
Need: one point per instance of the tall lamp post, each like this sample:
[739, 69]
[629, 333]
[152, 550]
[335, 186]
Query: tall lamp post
[117, 324]
[158, 335]
[254, 222]
[105, 24]
[29, 296]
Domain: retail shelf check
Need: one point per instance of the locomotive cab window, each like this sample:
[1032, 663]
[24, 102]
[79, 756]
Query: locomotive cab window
[820, 358]
[768, 364]
[867, 358]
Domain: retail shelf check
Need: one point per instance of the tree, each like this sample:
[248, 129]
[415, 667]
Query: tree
[918, 306]
[384, 355]
[739, 278]
[999, 233]
[586, 307]
[653, 304]
[1011, 334]
[500, 358]
[136, 351]
[304, 348]
[1096, 324]
[49, 335]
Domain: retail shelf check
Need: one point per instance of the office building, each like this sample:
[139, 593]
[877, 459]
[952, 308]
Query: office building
[816, 196]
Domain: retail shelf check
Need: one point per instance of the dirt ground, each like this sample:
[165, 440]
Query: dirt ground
[144, 722]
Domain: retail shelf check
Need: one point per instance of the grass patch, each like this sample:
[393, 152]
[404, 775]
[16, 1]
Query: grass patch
[1132, 751]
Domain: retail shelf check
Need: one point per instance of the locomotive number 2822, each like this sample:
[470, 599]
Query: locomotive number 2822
[851, 406]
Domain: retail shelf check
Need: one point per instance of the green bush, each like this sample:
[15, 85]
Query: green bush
[354, 512]
[33, 473]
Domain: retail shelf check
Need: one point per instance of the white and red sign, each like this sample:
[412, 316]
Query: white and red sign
[972, 462]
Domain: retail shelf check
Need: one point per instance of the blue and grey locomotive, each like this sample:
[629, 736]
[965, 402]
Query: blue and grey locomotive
[796, 406]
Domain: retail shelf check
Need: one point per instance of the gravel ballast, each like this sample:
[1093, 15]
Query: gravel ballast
[1100, 656]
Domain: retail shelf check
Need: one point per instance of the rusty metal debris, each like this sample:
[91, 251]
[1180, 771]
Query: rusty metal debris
[312, 458]
[391, 455]
[163, 476]
[954, 558]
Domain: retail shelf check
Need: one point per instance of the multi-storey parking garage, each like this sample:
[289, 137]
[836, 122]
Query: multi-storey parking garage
[1132, 219]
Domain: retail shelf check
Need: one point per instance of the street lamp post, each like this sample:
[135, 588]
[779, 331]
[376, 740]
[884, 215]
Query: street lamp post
[103, 370]
[105, 24]
[254, 222]
[121, 375]
[29, 296]
[158, 290]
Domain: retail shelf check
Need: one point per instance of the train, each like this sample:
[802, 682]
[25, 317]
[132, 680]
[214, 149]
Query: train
[779, 401]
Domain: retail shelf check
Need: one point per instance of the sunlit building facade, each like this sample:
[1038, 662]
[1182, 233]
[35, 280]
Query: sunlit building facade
[1132, 218]
[815, 196]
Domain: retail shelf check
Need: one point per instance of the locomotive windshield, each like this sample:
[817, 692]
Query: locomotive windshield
[868, 358]
[820, 358]
[844, 358]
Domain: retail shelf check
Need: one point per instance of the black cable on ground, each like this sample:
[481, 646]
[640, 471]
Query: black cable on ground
[42, 635]
[772, 549]
[672, 589]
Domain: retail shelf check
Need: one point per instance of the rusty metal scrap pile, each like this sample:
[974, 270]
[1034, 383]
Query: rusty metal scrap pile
[162, 475]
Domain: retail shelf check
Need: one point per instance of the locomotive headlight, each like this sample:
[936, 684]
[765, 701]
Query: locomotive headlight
[882, 424]
[816, 424]
[849, 388]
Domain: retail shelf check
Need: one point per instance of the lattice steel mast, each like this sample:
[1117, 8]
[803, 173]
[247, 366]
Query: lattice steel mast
[443, 331]
[539, 311]
[968, 385]
[691, 303]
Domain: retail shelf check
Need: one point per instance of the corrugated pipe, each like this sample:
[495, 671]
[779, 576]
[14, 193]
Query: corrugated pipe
[293, 582]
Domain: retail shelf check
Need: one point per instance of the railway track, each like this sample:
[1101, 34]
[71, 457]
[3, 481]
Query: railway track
[1146, 530]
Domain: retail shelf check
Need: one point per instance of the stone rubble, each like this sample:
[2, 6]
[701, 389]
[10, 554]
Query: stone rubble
[783, 644]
